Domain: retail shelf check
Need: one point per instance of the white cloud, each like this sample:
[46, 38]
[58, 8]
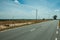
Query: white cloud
[57, 10]
[16, 1]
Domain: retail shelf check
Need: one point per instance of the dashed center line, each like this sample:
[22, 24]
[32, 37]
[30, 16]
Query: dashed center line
[55, 38]
[33, 29]
[56, 32]
[57, 27]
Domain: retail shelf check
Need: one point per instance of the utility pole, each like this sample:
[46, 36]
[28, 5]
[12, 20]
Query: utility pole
[13, 21]
[36, 14]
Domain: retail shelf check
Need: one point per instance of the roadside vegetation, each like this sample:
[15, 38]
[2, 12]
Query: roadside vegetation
[59, 23]
[8, 24]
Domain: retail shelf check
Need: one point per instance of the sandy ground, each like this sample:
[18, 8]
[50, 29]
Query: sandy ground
[8, 26]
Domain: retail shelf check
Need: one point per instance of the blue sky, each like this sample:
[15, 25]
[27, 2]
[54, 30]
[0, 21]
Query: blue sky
[26, 9]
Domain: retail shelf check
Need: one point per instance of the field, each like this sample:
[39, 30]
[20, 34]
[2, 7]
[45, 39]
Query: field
[7, 24]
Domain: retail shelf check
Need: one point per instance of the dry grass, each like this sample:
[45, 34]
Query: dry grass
[59, 23]
[13, 24]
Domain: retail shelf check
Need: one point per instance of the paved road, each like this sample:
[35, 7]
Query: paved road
[39, 31]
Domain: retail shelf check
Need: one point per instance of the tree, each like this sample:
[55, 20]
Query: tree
[43, 19]
[55, 17]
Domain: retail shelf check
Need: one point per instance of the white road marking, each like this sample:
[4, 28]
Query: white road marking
[33, 29]
[56, 32]
[57, 27]
[1, 31]
[55, 38]
[7, 30]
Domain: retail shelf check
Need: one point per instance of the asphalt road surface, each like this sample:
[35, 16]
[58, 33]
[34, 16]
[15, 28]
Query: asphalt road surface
[39, 31]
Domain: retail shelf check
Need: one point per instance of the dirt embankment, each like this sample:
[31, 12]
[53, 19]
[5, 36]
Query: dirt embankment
[13, 24]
